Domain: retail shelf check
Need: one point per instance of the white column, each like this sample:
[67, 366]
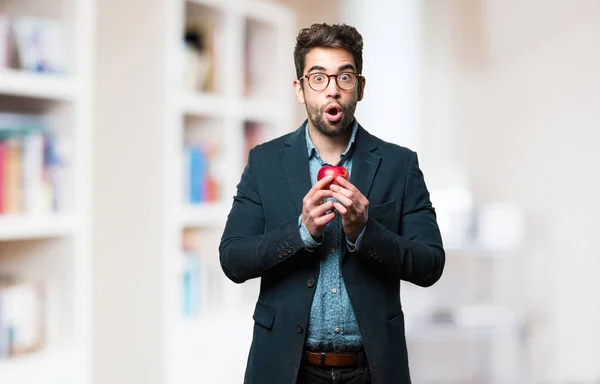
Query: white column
[391, 65]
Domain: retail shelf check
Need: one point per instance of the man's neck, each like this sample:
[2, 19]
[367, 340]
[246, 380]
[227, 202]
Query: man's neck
[330, 148]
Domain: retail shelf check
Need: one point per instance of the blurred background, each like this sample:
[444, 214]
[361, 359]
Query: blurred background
[125, 126]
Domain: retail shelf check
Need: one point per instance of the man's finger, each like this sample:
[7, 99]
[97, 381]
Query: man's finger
[346, 184]
[321, 195]
[342, 190]
[321, 184]
[323, 220]
[340, 208]
[344, 200]
[320, 210]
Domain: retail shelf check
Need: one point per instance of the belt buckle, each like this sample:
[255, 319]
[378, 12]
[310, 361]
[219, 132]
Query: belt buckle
[322, 362]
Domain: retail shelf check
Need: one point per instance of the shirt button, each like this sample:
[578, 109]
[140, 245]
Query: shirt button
[332, 250]
[310, 283]
[337, 330]
[299, 328]
[333, 290]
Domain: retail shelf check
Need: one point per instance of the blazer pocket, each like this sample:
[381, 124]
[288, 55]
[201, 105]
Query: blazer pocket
[264, 316]
[385, 214]
[397, 321]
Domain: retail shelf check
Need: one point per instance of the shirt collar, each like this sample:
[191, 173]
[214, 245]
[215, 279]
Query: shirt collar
[312, 150]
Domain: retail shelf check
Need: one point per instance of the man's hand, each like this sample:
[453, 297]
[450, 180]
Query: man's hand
[352, 205]
[314, 208]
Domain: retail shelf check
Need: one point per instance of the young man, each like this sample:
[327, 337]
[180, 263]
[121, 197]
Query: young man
[330, 256]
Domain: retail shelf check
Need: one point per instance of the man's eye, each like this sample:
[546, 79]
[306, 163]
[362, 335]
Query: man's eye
[319, 78]
[344, 77]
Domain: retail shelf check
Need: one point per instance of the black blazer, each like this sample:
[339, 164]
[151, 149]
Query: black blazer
[262, 239]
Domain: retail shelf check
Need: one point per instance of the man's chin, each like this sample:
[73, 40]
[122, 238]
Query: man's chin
[331, 130]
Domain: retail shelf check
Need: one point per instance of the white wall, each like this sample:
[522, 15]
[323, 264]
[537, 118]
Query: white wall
[307, 13]
[524, 123]
[506, 89]
[509, 92]
[391, 66]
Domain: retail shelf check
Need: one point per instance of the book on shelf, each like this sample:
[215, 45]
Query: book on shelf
[6, 43]
[258, 78]
[199, 178]
[254, 133]
[39, 44]
[191, 277]
[32, 43]
[198, 291]
[199, 56]
[204, 287]
[29, 165]
[22, 317]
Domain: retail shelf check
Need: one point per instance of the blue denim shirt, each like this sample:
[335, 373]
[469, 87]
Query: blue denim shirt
[332, 325]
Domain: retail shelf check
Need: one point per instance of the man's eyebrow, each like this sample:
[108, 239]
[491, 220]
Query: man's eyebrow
[316, 68]
[342, 68]
[347, 66]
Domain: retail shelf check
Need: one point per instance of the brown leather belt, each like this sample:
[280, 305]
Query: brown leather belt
[331, 359]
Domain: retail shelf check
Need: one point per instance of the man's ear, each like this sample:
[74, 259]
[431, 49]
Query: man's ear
[361, 88]
[299, 91]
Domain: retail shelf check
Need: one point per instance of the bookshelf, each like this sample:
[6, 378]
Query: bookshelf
[45, 256]
[173, 98]
[20, 83]
[250, 100]
[23, 227]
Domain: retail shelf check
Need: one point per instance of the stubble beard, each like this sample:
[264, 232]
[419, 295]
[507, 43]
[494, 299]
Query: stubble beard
[316, 116]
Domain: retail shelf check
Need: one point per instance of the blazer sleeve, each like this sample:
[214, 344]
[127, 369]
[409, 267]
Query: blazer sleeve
[246, 251]
[416, 253]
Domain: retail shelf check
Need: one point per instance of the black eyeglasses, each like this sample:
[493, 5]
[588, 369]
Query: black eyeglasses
[320, 81]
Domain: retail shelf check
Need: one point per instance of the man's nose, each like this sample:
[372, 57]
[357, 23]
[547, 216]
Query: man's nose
[332, 89]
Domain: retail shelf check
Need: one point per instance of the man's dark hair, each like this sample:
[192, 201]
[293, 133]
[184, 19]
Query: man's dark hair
[328, 36]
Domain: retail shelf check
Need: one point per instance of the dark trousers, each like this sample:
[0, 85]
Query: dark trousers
[320, 374]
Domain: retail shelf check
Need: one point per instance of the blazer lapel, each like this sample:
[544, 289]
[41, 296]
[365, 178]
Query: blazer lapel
[295, 162]
[364, 161]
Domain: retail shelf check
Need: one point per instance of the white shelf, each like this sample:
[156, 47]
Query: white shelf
[22, 227]
[37, 85]
[204, 215]
[265, 12]
[223, 319]
[468, 323]
[202, 104]
[248, 108]
[48, 367]
[240, 25]
[62, 268]
[255, 109]
[440, 333]
[487, 315]
[201, 340]
[217, 4]
[476, 251]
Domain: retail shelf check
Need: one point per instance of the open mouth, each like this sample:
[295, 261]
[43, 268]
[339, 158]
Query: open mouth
[333, 113]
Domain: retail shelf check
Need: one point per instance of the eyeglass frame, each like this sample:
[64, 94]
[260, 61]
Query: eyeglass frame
[308, 76]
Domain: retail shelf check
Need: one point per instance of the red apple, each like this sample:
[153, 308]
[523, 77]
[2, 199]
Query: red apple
[332, 170]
